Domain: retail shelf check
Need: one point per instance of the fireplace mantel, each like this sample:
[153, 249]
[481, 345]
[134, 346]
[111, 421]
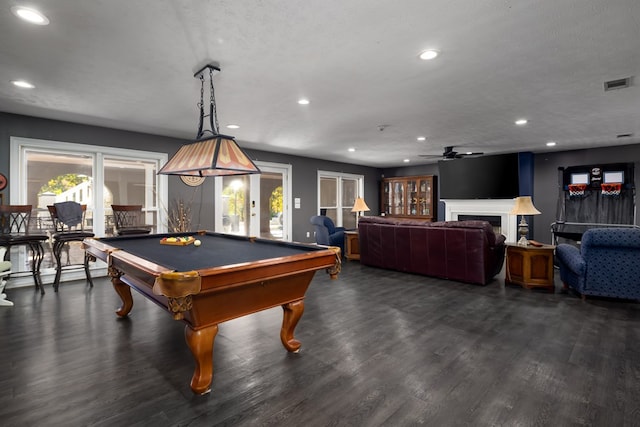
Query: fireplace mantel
[489, 207]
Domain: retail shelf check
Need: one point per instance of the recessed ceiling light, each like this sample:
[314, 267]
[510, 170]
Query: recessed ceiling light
[551, 144]
[233, 127]
[429, 54]
[23, 84]
[351, 150]
[303, 101]
[521, 122]
[30, 15]
[422, 138]
[406, 160]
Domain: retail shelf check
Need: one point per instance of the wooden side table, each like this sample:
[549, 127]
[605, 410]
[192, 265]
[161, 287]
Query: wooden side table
[530, 266]
[351, 245]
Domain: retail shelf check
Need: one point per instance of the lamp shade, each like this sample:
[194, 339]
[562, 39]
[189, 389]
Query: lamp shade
[360, 205]
[215, 156]
[524, 206]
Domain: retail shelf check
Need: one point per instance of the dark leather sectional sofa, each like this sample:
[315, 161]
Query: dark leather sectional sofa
[465, 251]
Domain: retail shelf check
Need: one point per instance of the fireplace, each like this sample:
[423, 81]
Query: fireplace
[493, 210]
[494, 220]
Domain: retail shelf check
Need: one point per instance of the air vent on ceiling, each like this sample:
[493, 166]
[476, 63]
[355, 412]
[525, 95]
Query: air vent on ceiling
[617, 84]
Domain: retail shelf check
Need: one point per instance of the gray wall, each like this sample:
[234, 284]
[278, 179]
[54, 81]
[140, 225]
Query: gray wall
[303, 180]
[546, 187]
[304, 186]
[304, 169]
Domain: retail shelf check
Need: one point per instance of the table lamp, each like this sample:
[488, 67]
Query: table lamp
[524, 206]
[359, 206]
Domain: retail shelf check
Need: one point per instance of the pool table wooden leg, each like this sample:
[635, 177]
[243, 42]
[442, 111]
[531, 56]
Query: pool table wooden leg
[124, 292]
[200, 342]
[292, 313]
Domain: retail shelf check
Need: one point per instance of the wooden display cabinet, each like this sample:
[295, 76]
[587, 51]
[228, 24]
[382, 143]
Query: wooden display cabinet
[409, 196]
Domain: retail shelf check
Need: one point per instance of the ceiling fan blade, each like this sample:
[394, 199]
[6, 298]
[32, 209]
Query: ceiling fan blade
[449, 154]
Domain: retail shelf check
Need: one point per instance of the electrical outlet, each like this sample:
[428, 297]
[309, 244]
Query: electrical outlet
[308, 234]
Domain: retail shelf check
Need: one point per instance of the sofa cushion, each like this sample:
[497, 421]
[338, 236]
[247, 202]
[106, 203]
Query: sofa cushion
[394, 221]
[484, 225]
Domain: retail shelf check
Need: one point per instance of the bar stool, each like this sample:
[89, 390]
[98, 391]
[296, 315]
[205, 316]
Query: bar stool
[129, 220]
[14, 231]
[68, 225]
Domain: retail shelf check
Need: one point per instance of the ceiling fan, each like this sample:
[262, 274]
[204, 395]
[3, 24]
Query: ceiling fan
[450, 154]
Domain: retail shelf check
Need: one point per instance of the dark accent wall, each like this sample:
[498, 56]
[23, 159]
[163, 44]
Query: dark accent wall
[525, 173]
[304, 179]
[543, 179]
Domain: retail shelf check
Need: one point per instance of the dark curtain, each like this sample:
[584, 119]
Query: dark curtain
[592, 208]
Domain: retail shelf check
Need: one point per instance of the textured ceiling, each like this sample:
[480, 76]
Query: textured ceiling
[130, 65]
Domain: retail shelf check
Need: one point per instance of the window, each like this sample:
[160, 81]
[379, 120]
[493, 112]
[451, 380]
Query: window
[337, 193]
[49, 172]
[130, 182]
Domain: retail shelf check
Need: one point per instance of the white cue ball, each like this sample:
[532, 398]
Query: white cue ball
[197, 243]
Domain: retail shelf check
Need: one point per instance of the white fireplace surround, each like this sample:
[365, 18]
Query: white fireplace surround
[489, 207]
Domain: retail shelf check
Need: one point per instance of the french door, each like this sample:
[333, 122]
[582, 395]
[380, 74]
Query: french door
[257, 204]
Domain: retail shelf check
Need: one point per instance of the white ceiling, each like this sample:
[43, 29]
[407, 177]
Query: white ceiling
[130, 65]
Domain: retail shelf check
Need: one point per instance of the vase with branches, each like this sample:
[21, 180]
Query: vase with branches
[179, 213]
[179, 216]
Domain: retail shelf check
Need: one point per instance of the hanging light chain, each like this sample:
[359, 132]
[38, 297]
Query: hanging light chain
[201, 91]
[213, 114]
[214, 111]
[201, 107]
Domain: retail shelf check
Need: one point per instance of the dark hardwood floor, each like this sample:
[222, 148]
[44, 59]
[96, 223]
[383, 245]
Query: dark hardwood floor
[378, 348]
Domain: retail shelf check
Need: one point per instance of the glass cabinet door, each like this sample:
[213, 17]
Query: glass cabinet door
[412, 197]
[397, 194]
[424, 197]
[386, 198]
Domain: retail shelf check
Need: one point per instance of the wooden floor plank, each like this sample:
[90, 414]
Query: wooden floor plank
[378, 348]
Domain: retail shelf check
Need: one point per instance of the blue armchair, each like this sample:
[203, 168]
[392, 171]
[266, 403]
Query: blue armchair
[607, 263]
[327, 233]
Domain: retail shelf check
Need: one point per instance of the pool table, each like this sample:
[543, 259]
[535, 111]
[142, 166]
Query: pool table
[223, 278]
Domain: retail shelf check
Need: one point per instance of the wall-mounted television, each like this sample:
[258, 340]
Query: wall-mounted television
[484, 177]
